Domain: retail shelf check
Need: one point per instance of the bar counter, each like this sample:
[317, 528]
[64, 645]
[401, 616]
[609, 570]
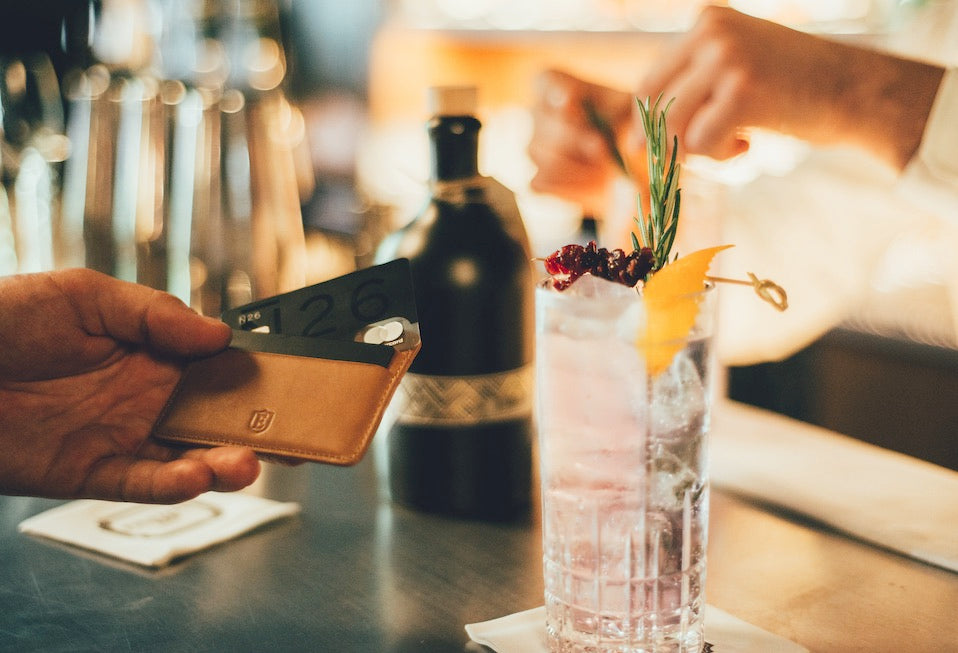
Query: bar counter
[355, 573]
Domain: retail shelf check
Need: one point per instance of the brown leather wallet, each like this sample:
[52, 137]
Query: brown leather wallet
[282, 405]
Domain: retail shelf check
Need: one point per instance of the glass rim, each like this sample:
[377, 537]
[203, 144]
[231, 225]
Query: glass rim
[545, 285]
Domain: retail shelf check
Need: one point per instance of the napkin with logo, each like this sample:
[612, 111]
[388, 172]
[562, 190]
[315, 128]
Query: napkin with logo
[525, 632]
[155, 535]
[892, 500]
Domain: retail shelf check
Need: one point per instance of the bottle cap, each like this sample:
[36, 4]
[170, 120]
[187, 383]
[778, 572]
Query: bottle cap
[453, 100]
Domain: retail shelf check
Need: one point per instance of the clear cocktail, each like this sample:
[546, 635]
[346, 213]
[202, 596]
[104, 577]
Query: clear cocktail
[622, 422]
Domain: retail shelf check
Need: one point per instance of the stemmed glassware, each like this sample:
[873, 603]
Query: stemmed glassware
[186, 184]
[32, 149]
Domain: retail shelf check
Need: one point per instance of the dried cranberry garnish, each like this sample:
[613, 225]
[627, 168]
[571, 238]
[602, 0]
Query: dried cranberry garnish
[572, 261]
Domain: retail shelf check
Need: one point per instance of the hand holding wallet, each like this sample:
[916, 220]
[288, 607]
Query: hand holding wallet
[308, 375]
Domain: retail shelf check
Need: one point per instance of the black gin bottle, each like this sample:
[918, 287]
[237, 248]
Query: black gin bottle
[461, 441]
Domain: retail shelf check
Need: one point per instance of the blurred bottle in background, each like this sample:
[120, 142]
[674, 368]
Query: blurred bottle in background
[461, 441]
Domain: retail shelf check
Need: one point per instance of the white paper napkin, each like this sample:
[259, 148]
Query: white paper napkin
[880, 496]
[525, 632]
[155, 535]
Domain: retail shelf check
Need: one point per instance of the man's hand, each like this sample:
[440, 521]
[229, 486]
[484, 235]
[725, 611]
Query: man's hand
[86, 364]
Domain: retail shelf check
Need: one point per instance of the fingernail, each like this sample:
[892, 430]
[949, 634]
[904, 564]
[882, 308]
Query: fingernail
[556, 97]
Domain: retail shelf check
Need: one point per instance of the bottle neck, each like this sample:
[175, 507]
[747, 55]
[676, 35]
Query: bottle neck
[455, 148]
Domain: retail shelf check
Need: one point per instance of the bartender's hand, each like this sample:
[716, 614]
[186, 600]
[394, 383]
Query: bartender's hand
[572, 159]
[732, 72]
[86, 364]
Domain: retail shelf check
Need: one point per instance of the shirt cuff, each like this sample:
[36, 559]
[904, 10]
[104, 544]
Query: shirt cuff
[930, 180]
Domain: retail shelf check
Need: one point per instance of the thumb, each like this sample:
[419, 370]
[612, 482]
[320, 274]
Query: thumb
[173, 327]
[137, 314]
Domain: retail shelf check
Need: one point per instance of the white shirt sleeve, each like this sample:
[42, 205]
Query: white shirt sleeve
[930, 180]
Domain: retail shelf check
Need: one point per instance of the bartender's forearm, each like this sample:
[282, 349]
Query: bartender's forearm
[883, 103]
[733, 72]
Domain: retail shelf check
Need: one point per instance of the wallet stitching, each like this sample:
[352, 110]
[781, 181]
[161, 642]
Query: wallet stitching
[371, 429]
[395, 374]
[383, 400]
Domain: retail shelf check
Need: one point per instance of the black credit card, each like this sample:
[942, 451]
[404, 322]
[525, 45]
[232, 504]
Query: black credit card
[341, 350]
[372, 306]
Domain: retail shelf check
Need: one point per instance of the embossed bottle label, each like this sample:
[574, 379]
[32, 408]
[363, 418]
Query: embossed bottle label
[429, 400]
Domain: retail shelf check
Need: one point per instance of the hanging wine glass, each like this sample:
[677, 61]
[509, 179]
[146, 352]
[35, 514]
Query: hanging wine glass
[32, 149]
[187, 185]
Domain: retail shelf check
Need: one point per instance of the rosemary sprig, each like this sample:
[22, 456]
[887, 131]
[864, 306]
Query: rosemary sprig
[658, 227]
[658, 230]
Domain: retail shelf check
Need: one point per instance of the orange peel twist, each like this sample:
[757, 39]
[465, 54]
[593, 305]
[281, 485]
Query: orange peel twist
[672, 297]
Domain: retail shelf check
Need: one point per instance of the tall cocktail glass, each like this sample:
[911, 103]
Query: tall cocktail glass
[622, 422]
